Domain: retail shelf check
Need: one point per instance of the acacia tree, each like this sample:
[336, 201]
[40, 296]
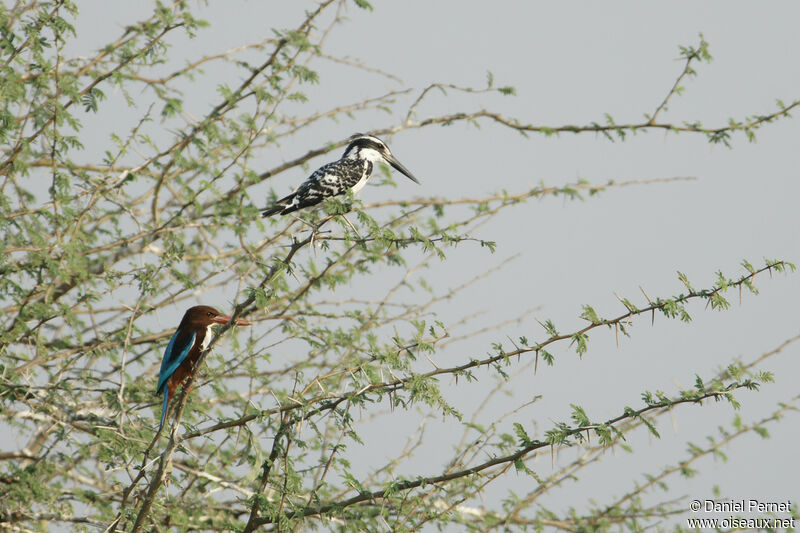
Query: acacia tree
[102, 250]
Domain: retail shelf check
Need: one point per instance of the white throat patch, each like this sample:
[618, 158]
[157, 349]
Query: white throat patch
[206, 338]
[371, 154]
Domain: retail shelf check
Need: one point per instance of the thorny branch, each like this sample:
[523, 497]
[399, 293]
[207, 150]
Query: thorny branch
[405, 485]
[185, 205]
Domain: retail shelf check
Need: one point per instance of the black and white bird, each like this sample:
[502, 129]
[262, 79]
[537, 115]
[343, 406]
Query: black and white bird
[351, 172]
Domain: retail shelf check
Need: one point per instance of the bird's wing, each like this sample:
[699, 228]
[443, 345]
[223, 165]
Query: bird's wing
[286, 199]
[177, 350]
[324, 177]
[337, 177]
[329, 180]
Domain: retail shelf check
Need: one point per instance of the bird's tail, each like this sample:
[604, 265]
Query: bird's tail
[164, 408]
[272, 210]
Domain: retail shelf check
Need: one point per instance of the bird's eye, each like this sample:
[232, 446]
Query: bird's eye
[210, 313]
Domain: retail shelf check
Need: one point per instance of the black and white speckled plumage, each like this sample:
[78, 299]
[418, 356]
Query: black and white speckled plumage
[351, 172]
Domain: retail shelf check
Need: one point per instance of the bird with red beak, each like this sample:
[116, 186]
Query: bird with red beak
[189, 341]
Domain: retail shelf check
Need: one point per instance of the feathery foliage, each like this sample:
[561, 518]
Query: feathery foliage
[102, 249]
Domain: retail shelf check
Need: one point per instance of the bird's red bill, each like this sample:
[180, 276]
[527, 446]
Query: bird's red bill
[224, 319]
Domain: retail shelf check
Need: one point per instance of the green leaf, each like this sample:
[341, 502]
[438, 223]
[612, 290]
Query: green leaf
[524, 440]
[363, 4]
[590, 315]
[579, 416]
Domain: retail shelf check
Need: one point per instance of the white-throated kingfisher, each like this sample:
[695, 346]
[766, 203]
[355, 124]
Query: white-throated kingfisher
[184, 348]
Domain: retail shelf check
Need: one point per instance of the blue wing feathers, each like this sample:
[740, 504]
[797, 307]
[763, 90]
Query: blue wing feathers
[177, 350]
[164, 408]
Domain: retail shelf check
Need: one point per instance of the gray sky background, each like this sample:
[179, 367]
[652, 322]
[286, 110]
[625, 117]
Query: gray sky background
[572, 62]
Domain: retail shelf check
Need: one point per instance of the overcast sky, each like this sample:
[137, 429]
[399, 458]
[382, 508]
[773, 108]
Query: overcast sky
[571, 63]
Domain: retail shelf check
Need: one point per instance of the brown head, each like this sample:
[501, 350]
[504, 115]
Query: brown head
[202, 316]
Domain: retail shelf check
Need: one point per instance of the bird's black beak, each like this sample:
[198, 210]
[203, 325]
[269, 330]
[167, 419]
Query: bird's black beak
[399, 166]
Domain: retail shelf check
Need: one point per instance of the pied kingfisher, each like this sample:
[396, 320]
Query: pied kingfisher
[351, 172]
